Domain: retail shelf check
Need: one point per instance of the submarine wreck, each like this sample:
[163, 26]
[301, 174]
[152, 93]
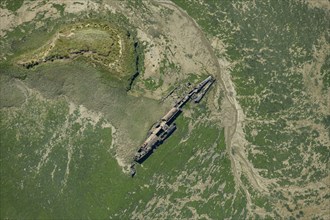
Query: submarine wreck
[164, 128]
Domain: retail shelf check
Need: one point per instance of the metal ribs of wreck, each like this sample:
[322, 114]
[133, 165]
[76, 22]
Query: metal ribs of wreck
[166, 126]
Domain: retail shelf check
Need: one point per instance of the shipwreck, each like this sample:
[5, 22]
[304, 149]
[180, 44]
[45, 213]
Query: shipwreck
[164, 128]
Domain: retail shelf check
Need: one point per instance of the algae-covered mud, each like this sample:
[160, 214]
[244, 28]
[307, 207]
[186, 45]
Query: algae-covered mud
[102, 44]
[82, 82]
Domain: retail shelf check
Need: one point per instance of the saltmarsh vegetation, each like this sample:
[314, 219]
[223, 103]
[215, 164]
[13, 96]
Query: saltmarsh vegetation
[270, 42]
